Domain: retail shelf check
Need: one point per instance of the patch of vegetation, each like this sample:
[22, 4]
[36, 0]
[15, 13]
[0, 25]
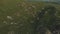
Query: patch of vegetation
[17, 16]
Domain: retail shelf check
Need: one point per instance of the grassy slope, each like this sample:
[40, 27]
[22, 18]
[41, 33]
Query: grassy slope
[21, 12]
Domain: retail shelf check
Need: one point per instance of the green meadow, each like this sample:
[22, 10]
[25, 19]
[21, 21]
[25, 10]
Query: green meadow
[18, 15]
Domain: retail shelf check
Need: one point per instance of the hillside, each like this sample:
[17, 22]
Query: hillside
[17, 16]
